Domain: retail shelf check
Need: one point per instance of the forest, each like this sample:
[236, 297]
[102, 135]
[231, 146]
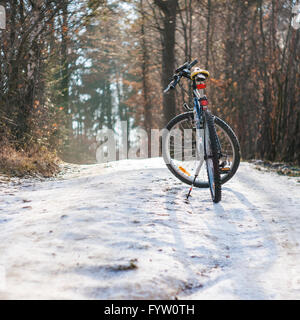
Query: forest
[71, 68]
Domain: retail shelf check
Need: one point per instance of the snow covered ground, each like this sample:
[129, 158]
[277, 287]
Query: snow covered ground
[124, 231]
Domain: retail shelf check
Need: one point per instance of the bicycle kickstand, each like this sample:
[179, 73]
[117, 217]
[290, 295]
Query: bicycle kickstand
[195, 177]
[191, 188]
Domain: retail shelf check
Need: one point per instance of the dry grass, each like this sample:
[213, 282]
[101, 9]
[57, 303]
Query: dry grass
[35, 163]
[286, 169]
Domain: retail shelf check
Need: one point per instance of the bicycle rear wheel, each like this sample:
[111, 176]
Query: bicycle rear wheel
[180, 153]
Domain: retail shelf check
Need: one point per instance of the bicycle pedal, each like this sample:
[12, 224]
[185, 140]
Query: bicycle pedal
[225, 170]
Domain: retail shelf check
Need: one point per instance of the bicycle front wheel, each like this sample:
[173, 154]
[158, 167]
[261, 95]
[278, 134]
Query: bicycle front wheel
[212, 157]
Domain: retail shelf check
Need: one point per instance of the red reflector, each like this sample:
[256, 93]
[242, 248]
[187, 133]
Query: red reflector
[201, 86]
[204, 103]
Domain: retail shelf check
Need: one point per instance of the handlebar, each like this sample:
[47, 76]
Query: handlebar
[182, 71]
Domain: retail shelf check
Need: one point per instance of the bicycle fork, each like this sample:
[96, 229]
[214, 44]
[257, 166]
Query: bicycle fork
[200, 154]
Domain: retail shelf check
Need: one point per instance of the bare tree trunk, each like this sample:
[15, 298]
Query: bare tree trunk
[145, 82]
[208, 32]
[64, 56]
[169, 9]
[145, 71]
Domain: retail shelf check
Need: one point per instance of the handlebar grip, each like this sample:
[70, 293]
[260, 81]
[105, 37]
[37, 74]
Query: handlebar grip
[193, 63]
[167, 88]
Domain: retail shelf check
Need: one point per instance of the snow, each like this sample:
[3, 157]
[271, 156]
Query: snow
[123, 230]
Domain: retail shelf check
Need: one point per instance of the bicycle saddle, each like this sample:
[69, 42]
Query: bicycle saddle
[199, 74]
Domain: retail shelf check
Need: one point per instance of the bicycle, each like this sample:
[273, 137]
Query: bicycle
[204, 137]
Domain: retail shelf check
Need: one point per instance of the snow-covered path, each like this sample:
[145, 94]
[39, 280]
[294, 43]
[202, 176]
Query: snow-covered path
[124, 231]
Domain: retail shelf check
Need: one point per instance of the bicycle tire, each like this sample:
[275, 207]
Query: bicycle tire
[221, 125]
[212, 157]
